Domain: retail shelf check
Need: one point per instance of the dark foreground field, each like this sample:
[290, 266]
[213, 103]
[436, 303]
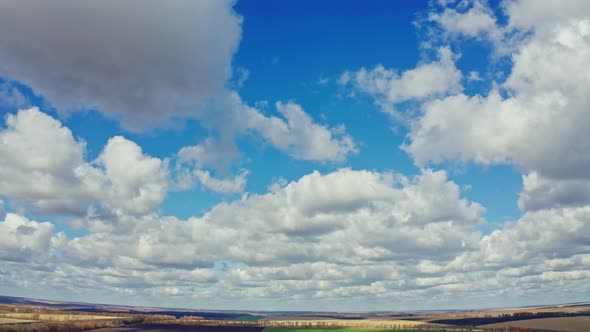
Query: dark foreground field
[569, 324]
[178, 327]
[478, 321]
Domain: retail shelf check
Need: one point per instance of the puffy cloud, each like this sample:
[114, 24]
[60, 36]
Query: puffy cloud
[545, 238]
[537, 123]
[426, 81]
[474, 21]
[138, 182]
[363, 234]
[143, 60]
[180, 71]
[541, 193]
[346, 217]
[43, 165]
[346, 230]
[544, 14]
[23, 240]
[535, 120]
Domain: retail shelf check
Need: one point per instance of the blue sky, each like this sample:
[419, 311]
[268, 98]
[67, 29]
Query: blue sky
[194, 123]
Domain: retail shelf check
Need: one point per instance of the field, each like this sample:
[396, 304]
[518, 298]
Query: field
[342, 323]
[33, 315]
[34, 318]
[281, 329]
[174, 327]
[570, 324]
[177, 327]
[51, 317]
[4, 320]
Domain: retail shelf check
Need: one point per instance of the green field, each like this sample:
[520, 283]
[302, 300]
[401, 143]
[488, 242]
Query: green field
[288, 329]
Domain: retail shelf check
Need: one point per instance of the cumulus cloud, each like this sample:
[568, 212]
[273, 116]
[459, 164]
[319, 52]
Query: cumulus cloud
[171, 61]
[539, 192]
[547, 237]
[544, 15]
[43, 165]
[470, 18]
[427, 80]
[143, 61]
[345, 217]
[41, 162]
[538, 119]
[138, 182]
[363, 234]
[24, 240]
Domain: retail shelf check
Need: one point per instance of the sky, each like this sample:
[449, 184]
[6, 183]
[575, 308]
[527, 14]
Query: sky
[296, 155]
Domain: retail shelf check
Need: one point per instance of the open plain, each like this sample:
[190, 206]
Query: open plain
[22, 314]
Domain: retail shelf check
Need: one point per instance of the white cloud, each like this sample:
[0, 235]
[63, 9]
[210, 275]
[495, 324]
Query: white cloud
[541, 193]
[454, 22]
[426, 81]
[544, 15]
[181, 70]
[23, 240]
[322, 238]
[295, 133]
[277, 184]
[539, 121]
[300, 137]
[474, 76]
[105, 62]
[541, 237]
[210, 153]
[475, 21]
[146, 61]
[222, 186]
[351, 217]
[43, 165]
[138, 182]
